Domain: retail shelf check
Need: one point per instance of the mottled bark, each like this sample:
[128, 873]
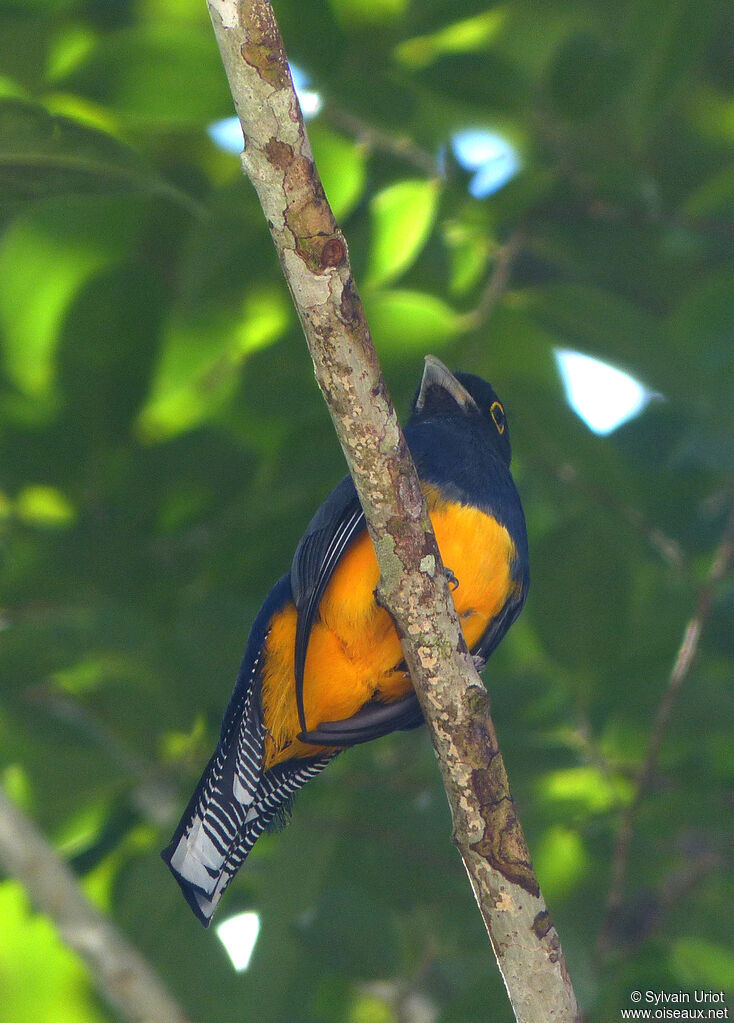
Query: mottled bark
[413, 587]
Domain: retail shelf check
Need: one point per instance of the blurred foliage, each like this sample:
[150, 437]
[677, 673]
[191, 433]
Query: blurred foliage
[163, 445]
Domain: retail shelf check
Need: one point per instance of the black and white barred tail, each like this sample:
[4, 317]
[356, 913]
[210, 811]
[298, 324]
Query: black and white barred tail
[235, 799]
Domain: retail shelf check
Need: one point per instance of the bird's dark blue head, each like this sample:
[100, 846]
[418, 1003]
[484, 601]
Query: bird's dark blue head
[443, 394]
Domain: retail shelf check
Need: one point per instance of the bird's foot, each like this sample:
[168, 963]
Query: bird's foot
[453, 581]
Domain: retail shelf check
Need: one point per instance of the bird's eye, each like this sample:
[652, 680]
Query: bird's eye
[498, 414]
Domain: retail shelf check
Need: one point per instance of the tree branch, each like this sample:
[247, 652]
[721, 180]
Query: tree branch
[665, 546]
[496, 285]
[402, 147]
[120, 973]
[152, 794]
[684, 659]
[413, 585]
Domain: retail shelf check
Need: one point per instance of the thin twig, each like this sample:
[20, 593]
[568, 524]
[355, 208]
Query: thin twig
[638, 216]
[587, 744]
[648, 916]
[678, 885]
[497, 281]
[153, 794]
[405, 997]
[118, 970]
[681, 667]
[375, 139]
[668, 548]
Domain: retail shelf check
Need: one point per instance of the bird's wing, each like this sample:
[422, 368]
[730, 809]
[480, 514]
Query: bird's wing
[501, 623]
[374, 720]
[338, 521]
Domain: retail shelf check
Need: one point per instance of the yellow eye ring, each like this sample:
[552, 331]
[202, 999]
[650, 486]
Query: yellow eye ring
[498, 415]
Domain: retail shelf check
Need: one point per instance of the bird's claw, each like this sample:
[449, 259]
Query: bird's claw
[453, 581]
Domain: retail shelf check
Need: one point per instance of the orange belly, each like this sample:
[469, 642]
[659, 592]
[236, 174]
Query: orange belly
[353, 648]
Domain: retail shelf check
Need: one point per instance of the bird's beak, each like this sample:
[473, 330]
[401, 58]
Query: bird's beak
[437, 375]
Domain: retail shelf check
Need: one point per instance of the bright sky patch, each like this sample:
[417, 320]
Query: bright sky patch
[239, 934]
[227, 133]
[602, 395]
[309, 99]
[491, 156]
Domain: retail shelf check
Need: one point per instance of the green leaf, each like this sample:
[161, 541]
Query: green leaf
[342, 166]
[68, 49]
[466, 36]
[586, 789]
[42, 155]
[405, 320]
[359, 13]
[469, 247]
[581, 313]
[10, 89]
[403, 216]
[561, 860]
[44, 507]
[42, 979]
[476, 81]
[714, 197]
[714, 114]
[201, 360]
[46, 256]
[156, 75]
[703, 963]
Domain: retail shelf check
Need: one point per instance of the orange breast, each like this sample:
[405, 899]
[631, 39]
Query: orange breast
[353, 649]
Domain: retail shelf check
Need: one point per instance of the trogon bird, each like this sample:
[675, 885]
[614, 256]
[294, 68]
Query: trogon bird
[323, 668]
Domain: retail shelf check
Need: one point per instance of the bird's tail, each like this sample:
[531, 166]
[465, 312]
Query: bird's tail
[204, 853]
[232, 805]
